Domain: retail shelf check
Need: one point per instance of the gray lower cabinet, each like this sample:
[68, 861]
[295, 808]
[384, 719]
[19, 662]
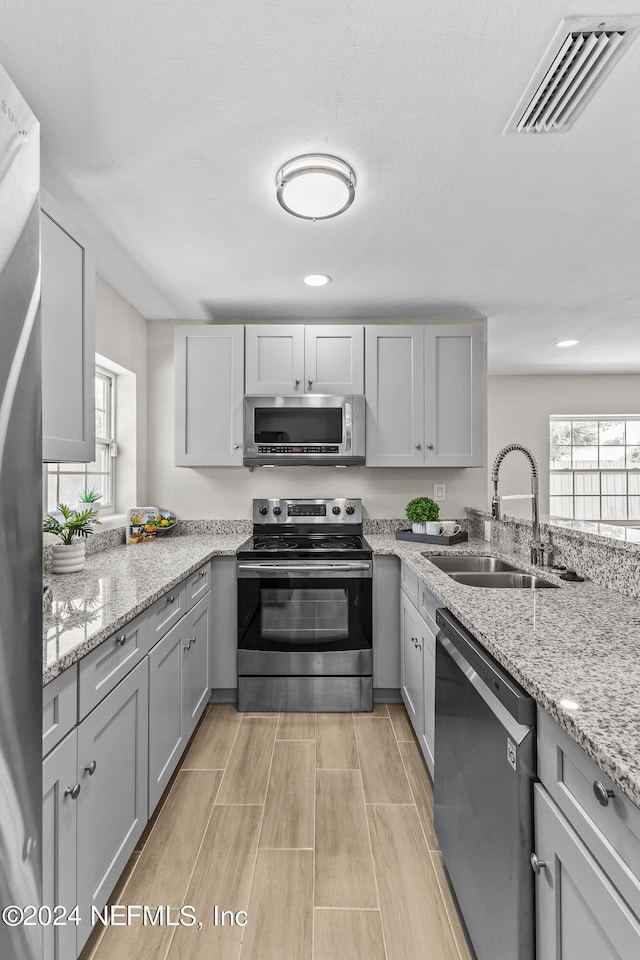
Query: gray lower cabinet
[386, 618]
[112, 804]
[412, 664]
[68, 331]
[178, 693]
[223, 646]
[209, 385]
[59, 808]
[580, 913]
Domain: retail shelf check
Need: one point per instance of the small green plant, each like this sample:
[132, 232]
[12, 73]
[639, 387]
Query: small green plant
[422, 510]
[76, 525]
[90, 495]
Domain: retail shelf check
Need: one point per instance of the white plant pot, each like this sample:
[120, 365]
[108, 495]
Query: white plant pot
[417, 527]
[68, 558]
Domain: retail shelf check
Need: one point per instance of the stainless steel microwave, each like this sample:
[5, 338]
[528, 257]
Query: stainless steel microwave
[314, 430]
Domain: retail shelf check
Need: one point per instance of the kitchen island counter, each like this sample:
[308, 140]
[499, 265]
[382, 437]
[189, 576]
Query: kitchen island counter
[115, 586]
[575, 649]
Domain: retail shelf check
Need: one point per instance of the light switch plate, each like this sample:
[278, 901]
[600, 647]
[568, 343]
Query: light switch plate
[439, 491]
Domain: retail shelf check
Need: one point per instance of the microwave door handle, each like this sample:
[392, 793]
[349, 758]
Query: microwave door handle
[348, 427]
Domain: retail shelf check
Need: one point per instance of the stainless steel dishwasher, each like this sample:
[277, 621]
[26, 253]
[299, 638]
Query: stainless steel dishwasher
[484, 771]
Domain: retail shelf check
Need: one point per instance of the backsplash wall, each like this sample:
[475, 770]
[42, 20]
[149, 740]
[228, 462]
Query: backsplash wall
[227, 492]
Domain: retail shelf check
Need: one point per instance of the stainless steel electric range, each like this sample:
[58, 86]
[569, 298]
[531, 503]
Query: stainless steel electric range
[304, 608]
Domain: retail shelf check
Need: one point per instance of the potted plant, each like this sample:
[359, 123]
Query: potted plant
[73, 530]
[421, 511]
[90, 496]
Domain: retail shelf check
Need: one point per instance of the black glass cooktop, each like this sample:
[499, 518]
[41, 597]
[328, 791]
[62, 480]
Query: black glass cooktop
[298, 546]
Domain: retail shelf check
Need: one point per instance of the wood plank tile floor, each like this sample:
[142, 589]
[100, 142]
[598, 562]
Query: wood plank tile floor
[292, 837]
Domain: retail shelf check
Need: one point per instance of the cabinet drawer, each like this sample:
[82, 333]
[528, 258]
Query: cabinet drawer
[109, 663]
[198, 584]
[611, 832]
[166, 611]
[409, 584]
[59, 708]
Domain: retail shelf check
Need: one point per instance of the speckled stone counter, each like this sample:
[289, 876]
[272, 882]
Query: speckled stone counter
[115, 586]
[579, 643]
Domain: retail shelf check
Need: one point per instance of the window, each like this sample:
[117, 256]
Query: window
[594, 468]
[65, 481]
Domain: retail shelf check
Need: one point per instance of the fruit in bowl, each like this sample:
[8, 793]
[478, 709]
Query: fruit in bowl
[165, 521]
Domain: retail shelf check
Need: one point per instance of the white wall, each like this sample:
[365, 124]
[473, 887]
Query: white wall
[518, 411]
[227, 491]
[121, 336]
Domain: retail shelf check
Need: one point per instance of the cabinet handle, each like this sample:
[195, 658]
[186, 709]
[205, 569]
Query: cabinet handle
[236, 446]
[297, 381]
[121, 640]
[170, 599]
[202, 573]
[601, 793]
[186, 646]
[91, 768]
[429, 446]
[418, 446]
[536, 865]
[73, 792]
[310, 382]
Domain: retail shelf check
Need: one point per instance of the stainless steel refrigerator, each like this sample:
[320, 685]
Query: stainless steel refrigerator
[20, 525]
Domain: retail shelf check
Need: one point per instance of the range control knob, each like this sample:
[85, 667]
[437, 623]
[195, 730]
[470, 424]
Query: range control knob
[335, 510]
[350, 509]
[263, 510]
[277, 511]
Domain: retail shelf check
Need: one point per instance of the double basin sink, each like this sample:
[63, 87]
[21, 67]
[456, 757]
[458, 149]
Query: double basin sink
[487, 572]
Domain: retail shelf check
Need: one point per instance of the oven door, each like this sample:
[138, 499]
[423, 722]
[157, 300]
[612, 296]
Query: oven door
[304, 618]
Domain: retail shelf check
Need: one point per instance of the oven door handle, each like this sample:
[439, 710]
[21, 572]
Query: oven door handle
[305, 567]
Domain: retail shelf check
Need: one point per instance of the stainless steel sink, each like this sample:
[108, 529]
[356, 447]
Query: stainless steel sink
[475, 564]
[504, 580]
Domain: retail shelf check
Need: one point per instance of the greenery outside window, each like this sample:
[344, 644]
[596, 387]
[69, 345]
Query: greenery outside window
[65, 481]
[594, 468]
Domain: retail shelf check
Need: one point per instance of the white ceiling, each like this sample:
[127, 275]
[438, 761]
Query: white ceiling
[164, 123]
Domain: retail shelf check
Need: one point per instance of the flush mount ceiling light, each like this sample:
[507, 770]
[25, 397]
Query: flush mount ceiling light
[315, 186]
[317, 279]
[567, 343]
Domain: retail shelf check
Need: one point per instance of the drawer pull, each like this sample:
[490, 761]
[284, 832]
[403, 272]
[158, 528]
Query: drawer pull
[601, 793]
[536, 865]
[91, 768]
[170, 599]
[202, 573]
[73, 792]
[121, 640]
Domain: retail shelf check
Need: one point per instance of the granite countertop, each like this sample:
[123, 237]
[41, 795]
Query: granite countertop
[115, 586]
[578, 645]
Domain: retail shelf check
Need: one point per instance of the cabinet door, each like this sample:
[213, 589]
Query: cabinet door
[112, 806]
[455, 387]
[223, 647]
[209, 368]
[274, 359]
[579, 913]
[386, 626]
[334, 359]
[394, 371]
[68, 335]
[166, 735]
[427, 735]
[412, 669]
[59, 845]
[195, 664]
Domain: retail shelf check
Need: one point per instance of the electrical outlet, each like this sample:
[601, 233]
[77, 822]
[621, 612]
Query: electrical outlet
[439, 491]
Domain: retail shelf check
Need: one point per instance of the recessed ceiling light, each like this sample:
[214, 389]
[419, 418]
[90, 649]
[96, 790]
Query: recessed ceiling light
[567, 343]
[317, 279]
[315, 186]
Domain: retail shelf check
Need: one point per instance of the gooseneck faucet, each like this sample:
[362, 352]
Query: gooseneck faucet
[537, 547]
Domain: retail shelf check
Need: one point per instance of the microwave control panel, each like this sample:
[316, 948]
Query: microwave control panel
[282, 449]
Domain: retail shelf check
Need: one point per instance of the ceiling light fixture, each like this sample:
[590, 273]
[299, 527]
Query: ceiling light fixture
[317, 279]
[315, 186]
[567, 343]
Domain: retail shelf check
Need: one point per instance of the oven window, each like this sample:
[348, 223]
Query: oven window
[296, 615]
[311, 425]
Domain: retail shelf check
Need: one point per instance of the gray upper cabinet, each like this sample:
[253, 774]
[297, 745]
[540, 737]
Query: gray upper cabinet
[454, 396]
[425, 395]
[289, 359]
[209, 374]
[68, 338]
[395, 396]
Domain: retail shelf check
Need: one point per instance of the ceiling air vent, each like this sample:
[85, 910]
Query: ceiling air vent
[578, 59]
